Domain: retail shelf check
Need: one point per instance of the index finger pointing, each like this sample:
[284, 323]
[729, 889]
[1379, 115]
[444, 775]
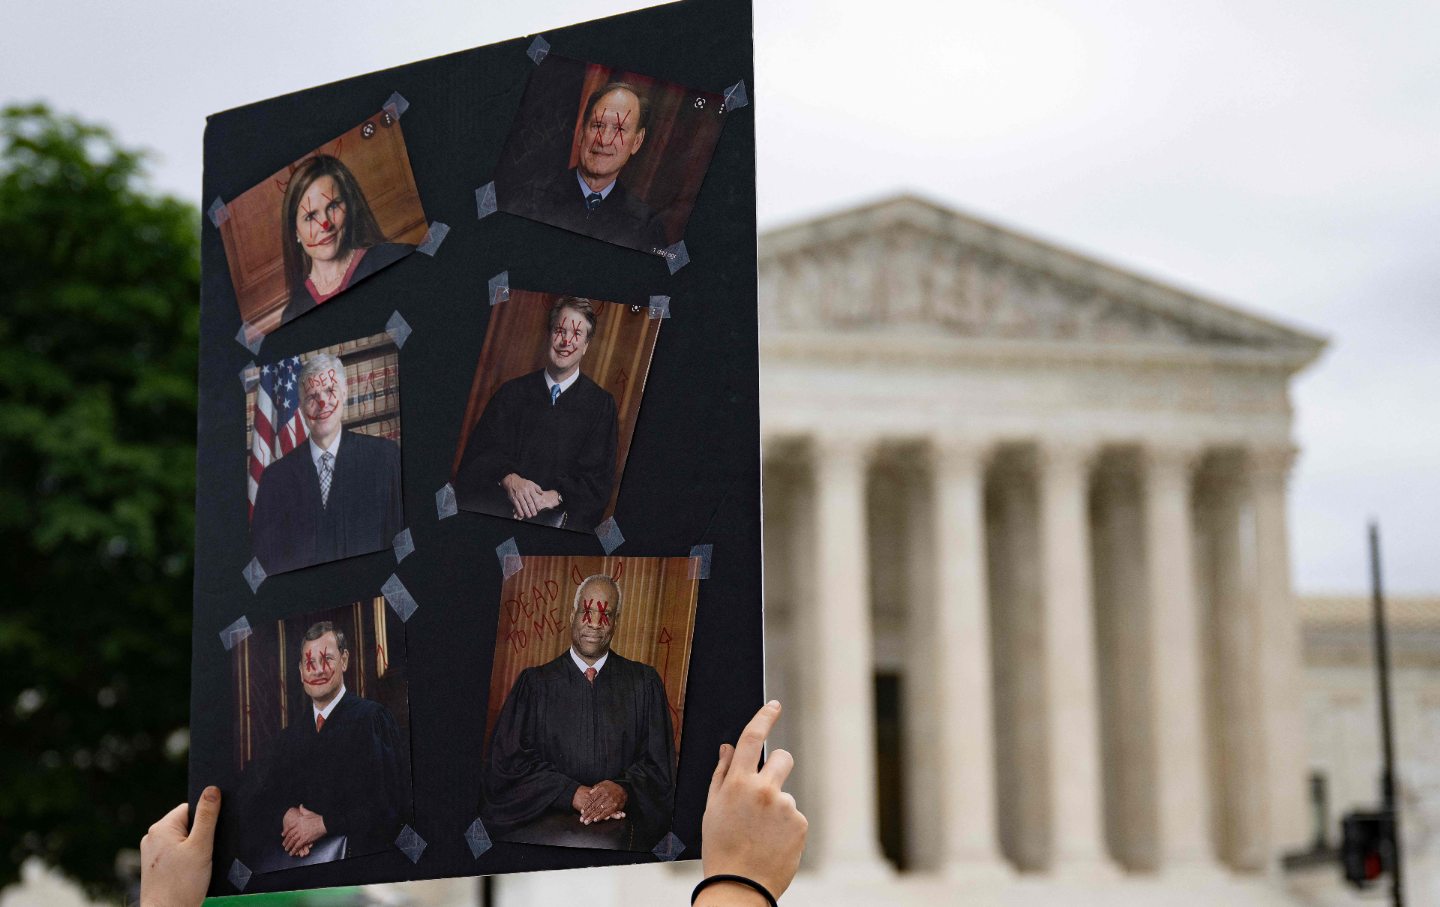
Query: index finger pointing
[752, 740]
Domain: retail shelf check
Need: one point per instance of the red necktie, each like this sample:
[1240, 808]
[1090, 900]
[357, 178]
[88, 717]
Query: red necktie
[319, 723]
[590, 674]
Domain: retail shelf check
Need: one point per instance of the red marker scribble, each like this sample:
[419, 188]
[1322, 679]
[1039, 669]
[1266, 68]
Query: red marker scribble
[322, 395]
[665, 639]
[604, 609]
[568, 331]
[608, 127]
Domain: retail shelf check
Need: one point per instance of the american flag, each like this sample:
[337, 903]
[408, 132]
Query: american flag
[278, 428]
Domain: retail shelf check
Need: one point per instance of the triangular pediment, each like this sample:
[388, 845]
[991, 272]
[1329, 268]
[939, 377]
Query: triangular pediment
[906, 264]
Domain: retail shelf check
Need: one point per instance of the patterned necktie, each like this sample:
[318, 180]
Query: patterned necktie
[593, 200]
[590, 674]
[327, 471]
[319, 723]
[554, 393]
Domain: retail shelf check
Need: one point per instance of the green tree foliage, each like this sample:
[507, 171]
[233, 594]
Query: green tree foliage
[99, 290]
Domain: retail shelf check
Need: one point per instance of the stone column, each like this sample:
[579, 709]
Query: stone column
[1182, 797]
[1278, 626]
[961, 689]
[1073, 726]
[1237, 773]
[841, 761]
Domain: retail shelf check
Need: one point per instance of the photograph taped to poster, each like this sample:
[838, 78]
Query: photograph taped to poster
[553, 408]
[303, 235]
[608, 153]
[323, 471]
[322, 736]
[587, 700]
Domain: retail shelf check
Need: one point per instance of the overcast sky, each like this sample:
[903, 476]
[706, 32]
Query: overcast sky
[1281, 156]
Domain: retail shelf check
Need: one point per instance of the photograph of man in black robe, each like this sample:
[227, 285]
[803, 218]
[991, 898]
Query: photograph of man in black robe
[335, 496]
[590, 198]
[583, 752]
[336, 784]
[544, 449]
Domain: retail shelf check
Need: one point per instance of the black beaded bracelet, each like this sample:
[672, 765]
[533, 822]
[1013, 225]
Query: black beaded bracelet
[712, 880]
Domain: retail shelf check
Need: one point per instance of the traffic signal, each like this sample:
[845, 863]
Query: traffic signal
[1367, 847]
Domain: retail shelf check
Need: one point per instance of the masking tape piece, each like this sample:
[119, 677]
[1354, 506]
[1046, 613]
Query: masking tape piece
[669, 848]
[609, 534]
[700, 561]
[398, 329]
[445, 502]
[485, 202]
[736, 96]
[433, 238]
[509, 554]
[404, 545]
[500, 288]
[539, 50]
[254, 573]
[659, 306]
[239, 875]
[676, 256]
[410, 844]
[236, 633]
[478, 838]
[218, 212]
[249, 337]
[396, 105]
[399, 598]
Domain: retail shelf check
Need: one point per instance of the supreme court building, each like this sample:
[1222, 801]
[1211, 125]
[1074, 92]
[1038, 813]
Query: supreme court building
[1027, 567]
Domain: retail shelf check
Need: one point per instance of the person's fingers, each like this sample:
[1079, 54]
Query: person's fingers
[202, 832]
[175, 823]
[752, 739]
[727, 752]
[778, 767]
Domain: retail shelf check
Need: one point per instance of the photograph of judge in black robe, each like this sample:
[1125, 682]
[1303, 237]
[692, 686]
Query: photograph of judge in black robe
[335, 495]
[329, 219]
[583, 752]
[547, 445]
[610, 154]
[336, 782]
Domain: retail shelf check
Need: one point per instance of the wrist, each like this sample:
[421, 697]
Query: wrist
[730, 894]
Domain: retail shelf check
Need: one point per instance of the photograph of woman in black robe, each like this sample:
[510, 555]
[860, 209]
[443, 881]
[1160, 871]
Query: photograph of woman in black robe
[583, 751]
[329, 234]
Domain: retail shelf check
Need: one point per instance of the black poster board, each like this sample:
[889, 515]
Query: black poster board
[693, 470]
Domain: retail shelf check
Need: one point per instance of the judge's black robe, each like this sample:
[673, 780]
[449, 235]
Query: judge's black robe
[353, 772]
[569, 447]
[557, 731]
[621, 218]
[375, 258]
[290, 529]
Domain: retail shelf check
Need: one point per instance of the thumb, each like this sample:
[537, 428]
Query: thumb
[207, 810]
